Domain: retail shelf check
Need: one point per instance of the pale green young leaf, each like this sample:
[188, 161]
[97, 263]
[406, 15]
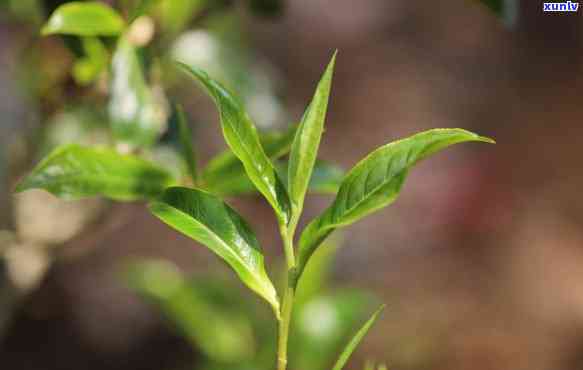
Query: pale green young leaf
[84, 19]
[355, 341]
[307, 141]
[72, 172]
[88, 68]
[225, 173]
[316, 276]
[241, 136]
[375, 182]
[186, 149]
[136, 113]
[210, 221]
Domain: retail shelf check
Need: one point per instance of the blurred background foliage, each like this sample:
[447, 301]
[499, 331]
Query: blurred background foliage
[480, 260]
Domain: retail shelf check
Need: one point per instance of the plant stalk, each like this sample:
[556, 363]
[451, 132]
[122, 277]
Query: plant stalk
[284, 323]
[288, 298]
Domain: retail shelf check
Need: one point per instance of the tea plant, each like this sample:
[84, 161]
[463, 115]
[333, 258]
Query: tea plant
[197, 212]
[195, 207]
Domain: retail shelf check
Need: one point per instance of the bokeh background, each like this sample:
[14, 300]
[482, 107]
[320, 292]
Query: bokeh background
[480, 260]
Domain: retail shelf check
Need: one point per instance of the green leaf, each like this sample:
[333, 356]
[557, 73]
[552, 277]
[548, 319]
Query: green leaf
[175, 15]
[72, 172]
[137, 116]
[225, 173]
[307, 141]
[375, 182]
[355, 341]
[88, 68]
[84, 19]
[241, 136]
[316, 276]
[208, 220]
[326, 178]
[185, 135]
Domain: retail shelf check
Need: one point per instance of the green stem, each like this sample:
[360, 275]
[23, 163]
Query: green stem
[284, 323]
[288, 297]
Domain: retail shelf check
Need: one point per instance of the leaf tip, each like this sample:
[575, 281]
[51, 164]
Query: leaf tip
[46, 30]
[486, 139]
[195, 71]
[332, 62]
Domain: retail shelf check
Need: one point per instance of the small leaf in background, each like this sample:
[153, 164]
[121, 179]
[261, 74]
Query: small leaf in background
[73, 172]
[241, 136]
[326, 178]
[323, 325]
[307, 141]
[186, 149]
[208, 220]
[216, 328]
[137, 114]
[376, 181]
[505, 9]
[87, 68]
[316, 276]
[225, 173]
[84, 19]
[355, 341]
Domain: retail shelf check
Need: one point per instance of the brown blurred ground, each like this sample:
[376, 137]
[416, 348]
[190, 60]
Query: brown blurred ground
[481, 260]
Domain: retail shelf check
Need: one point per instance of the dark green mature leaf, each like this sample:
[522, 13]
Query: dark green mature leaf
[355, 341]
[241, 136]
[84, 19]
[137, 116]
[72, 172]
[225, 173]
[375, 182]
[307, 141]
[186, 149]
[208, 220]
